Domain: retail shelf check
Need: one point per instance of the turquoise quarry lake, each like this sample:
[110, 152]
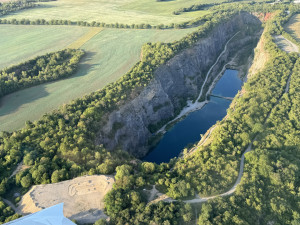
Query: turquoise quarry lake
[188, 130]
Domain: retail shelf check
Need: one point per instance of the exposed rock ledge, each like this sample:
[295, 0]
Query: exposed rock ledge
[175, 82]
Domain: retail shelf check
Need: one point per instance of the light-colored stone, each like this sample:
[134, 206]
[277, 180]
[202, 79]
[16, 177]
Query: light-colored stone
[82, 197]
[179, 79]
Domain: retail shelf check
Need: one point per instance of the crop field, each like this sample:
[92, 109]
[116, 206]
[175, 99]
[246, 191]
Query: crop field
[293, 27]
[112, 11]
[85, 38]
[111, 53]
[19, 43]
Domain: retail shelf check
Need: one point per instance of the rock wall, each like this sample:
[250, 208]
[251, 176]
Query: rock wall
[175, 82]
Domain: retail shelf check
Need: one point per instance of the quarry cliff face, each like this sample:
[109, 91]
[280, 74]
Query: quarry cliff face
[128, 128]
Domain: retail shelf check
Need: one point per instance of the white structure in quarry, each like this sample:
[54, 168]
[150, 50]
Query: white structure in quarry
[51, 216]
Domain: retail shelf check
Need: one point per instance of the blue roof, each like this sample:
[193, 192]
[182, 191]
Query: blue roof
[50, 216]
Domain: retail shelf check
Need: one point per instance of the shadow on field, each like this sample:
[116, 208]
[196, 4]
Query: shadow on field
[15, 101]
[45, 6]
[85, 65]
[12, 102]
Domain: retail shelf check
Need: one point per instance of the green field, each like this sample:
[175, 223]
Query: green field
[111, 53]
[293, 27]
[112, 11]
[19, 43]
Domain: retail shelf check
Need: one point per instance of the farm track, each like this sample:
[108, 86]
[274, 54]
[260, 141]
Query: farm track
[85, 38]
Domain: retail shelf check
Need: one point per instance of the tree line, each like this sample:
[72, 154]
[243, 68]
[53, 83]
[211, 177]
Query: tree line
[24, 21]
[61, 145]
[269, 190]
[213, 169]
[49, 67]
[13, 6]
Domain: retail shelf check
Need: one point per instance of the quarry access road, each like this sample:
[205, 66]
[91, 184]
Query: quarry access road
[198, 199]
[191, 107]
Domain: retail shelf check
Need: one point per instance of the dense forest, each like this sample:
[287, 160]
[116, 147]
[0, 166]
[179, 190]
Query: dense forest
[61, 145]
[6, 213]
[270, 187]
[220, 159]
[49, 67]
[212, 169]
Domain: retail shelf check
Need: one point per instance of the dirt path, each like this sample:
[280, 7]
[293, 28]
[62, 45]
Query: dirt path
[153, 193]
[198, 199]
[85, 38]
[19, 168]
[9, 203]
[213, 127]
[285, 44]
[248, 149]
[191, 107]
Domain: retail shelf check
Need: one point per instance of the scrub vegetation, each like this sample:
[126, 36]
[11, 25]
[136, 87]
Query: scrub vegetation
[270, 187]
[61, 145]
[271, 168]
[7, 213]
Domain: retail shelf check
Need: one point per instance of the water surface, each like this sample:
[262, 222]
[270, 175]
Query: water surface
[189, 129]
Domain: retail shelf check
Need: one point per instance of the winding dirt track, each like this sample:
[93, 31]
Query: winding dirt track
[285, 44]
[9, 203]
[191, 107]
[198, 199]
[248, 149]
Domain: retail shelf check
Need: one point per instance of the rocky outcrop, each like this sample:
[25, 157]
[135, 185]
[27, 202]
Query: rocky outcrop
[129, 127]
[260, 59]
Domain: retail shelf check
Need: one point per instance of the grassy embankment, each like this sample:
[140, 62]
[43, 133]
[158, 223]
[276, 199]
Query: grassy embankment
[110, 54]
[293, 27]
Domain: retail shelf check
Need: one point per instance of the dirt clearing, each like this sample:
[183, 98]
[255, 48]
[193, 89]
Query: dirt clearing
[83, 197]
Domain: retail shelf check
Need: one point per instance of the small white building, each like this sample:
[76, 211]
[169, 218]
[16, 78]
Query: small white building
[50, 216]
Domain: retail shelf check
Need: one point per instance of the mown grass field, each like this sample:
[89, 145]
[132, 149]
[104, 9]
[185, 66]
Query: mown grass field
[111, 53]
[112, 11]
[19, 43]
[293, 27]
[85, 38]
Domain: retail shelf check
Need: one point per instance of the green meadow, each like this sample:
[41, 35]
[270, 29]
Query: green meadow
[293, 27]
[112, 11]
[110, 54]
[19, 43]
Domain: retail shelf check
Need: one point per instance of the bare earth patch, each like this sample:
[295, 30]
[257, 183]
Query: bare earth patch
[19, 168]
[285, 44]
[83, 197]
